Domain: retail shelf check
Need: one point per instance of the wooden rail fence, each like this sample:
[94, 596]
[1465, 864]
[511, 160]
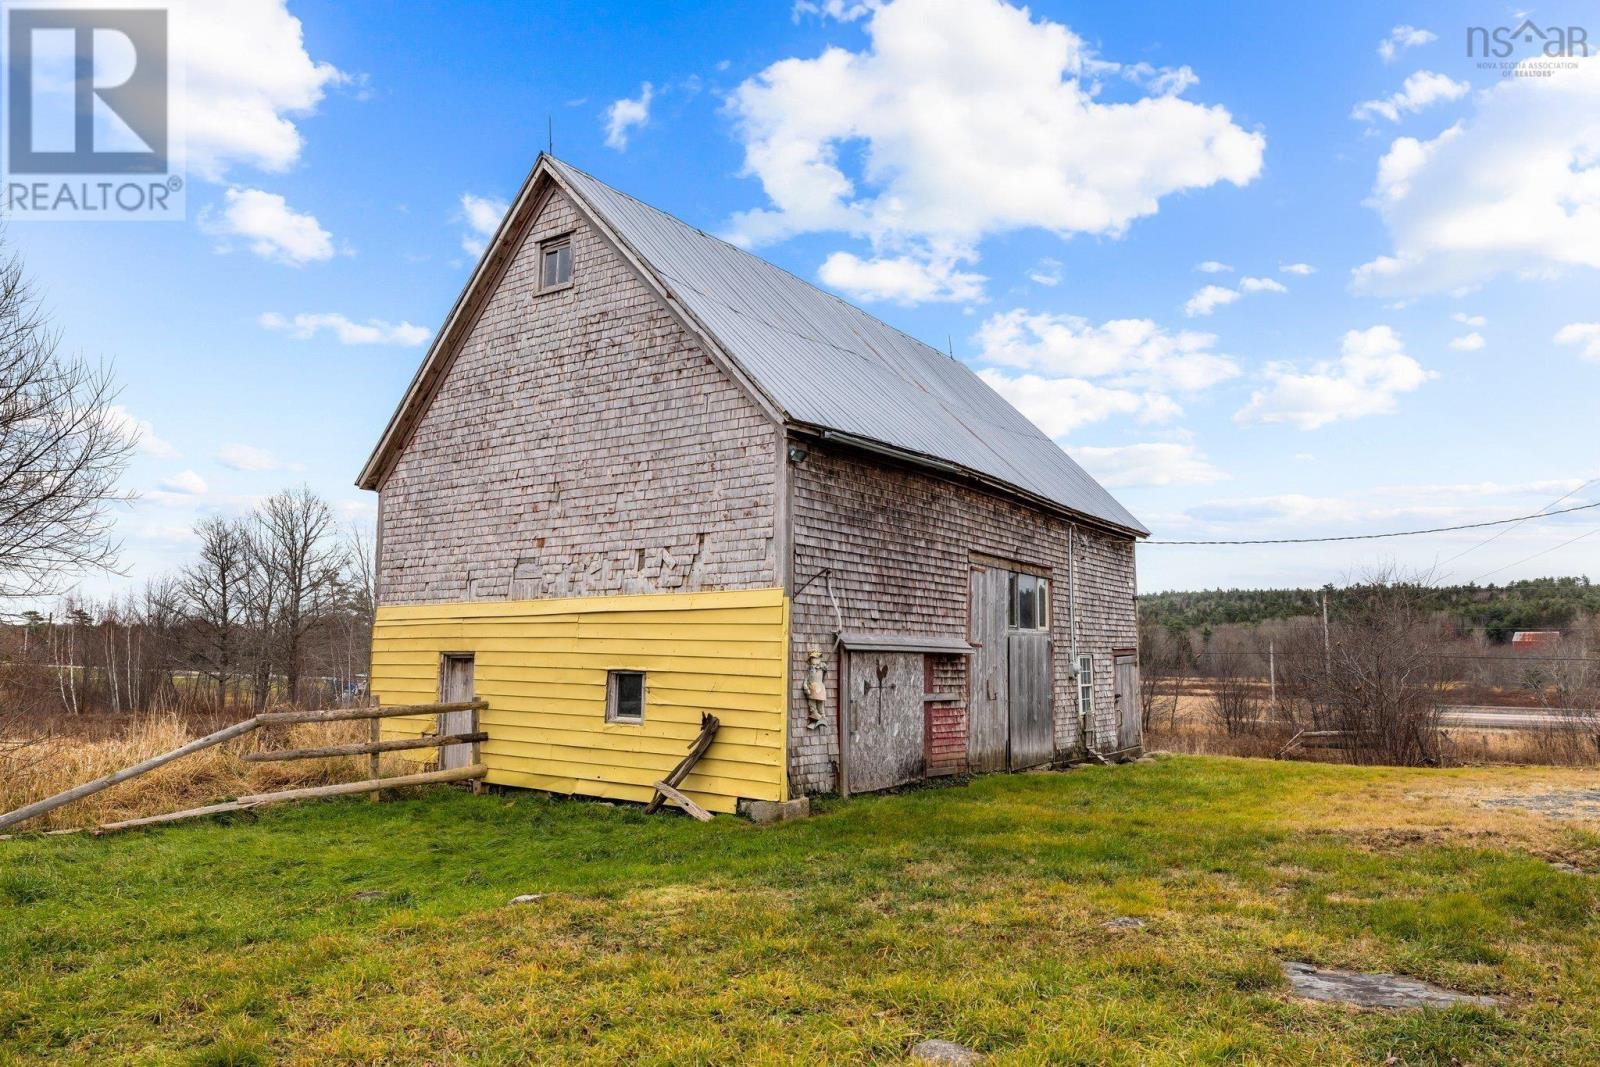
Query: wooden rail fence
[372, 747]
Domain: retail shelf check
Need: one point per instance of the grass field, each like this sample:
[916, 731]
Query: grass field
[345, 932]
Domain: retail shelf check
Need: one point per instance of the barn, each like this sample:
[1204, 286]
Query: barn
[642, 475]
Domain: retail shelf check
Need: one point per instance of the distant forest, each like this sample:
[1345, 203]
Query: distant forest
[1497, 610]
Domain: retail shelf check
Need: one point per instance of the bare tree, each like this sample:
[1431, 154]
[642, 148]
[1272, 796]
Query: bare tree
[1382, 682]
[295, 541]
[1235, 698]
[213, 590]
[63, 446]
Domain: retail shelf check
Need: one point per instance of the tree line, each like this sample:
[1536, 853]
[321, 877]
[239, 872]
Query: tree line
[275, 607]
[1497, 611]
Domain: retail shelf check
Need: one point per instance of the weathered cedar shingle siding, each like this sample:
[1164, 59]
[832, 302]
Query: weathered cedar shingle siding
[900, 542]
[584, 433]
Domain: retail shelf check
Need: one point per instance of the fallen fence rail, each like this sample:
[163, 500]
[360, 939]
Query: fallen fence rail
[259, 800]
[239, 729]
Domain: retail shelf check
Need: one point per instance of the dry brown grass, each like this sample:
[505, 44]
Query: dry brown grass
[32, 769]
[1191, 728]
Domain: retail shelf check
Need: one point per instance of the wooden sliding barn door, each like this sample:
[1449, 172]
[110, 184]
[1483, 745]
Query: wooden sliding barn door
[1030, 707]
[988, 701]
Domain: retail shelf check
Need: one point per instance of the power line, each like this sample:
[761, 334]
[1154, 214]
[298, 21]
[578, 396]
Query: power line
[1536, 555]
[1496, 536]
[1399, 533]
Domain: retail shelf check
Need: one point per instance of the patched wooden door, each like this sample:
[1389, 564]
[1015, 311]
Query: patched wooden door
[1030, 709]
[886, 720]
[1125, 694]
[456, 685]
[989, 681]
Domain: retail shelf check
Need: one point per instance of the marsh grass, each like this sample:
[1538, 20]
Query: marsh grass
[343, 932]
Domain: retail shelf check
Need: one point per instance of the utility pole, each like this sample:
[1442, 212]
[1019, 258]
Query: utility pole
[1272, 673]
[1327, 647]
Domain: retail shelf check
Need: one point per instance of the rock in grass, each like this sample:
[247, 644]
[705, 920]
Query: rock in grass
[1373, 990]
[945, 1053]
[529, 898]
[1124, 922]
[367, 894]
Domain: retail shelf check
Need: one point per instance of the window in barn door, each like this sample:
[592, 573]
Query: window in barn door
[555, 263]
[1029, 602]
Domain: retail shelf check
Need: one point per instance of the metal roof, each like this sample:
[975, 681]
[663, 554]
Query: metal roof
[830, 365]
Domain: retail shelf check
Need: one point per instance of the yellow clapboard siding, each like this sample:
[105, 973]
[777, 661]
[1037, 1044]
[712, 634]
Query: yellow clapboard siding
[641, 768]
[737, 651]
[667, 737]
[669, 718]
[646, 603]
[631, 658]
[600, 788]
[542, 666]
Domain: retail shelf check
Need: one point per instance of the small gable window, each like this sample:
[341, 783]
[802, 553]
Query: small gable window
[625, 696]
[555, 263]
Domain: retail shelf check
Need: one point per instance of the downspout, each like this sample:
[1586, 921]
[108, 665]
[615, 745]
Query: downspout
[1072, 629]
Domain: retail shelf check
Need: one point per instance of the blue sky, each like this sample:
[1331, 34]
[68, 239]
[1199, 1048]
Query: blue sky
[1039, 188]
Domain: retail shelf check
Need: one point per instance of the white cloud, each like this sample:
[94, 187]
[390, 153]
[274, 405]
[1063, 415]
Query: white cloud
[1046, 272]
[969, 119]
[149, 444]
[901, 279]
[1211, 266]
[482, 214]
[1513, 188]
[1131, 353]
[246, 458]
[1367, 378]
[1419, 91]
[1151, 464]
[1401, 38]
[250, 458]
[1060, 405]
[1208, 299]
[246, 77]
[627, 114]
[1585, 335]
[303, 327]
[1297, 268]
[1469, 320]
[271, 228]
[1468, 343]
[1262, 285]
[842, 10]
[186, 483]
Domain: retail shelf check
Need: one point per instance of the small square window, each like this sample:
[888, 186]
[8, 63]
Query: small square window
[625, 696]
[555, 263]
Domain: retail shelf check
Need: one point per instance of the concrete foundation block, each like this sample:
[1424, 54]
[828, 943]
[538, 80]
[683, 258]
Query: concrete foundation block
[769, 812]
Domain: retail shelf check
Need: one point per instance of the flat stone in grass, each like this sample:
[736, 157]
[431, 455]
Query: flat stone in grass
[945, 1053]
[1561, 804]
[1373, 990]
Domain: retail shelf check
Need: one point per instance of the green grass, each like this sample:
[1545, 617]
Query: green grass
[970, 913]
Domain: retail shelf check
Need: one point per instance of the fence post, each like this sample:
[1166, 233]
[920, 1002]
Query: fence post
[374, 731]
